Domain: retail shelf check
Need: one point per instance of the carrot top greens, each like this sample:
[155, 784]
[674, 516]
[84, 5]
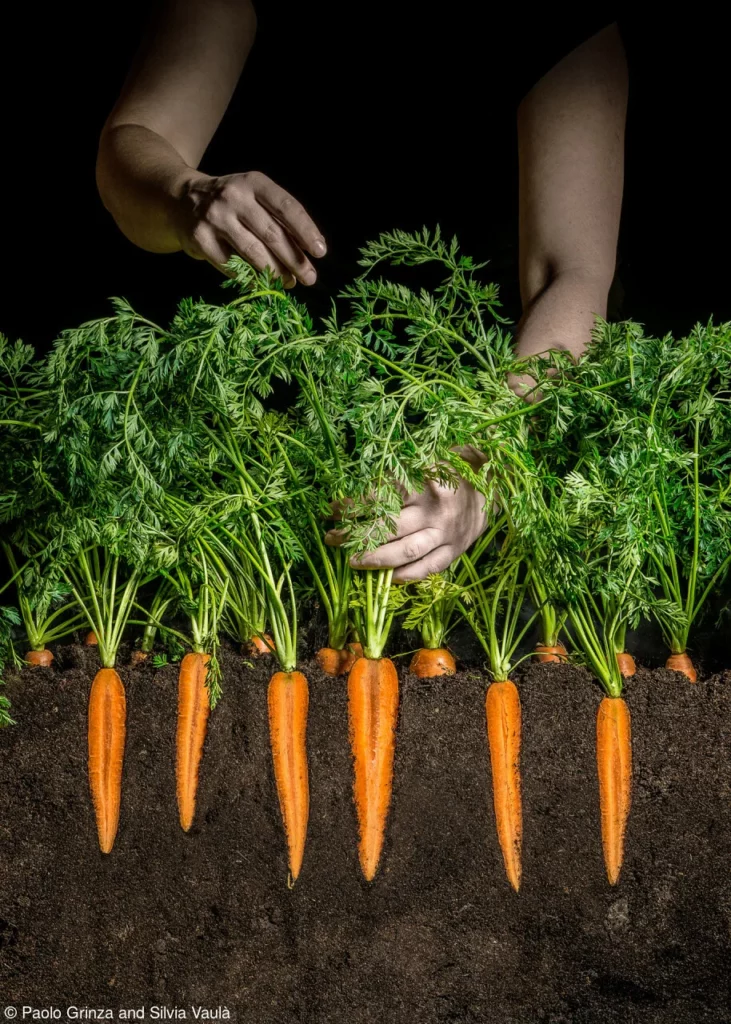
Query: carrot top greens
[148, 475]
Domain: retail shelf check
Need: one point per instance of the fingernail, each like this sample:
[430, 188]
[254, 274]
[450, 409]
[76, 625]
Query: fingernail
[318, 247]
[309, 277]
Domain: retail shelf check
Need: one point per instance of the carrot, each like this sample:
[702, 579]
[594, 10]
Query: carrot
[288, 701]
[626, 664]
[682, 663]
[373, 710]
[90, 640]
[556, 653]
[107, 726]
[193, 710]
[428, 663]
[42, 658]
[502, 709]
[137, 657]
[334, 662]
[614, 764]
[258, 646]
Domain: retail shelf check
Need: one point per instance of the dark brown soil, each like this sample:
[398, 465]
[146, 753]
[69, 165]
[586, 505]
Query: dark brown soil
[207, 918]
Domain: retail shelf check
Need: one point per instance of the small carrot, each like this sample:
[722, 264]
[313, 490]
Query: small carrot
[193, 710]
[42, 658]
[373, 709]
[334, 662]
[138, 657]
[626, 664]
[258, 646]
[429, 663]
[502, 709]
[90, 640]
[555, 653]
[288, 701]
[682, 663]
[106, 734]
[614, 765]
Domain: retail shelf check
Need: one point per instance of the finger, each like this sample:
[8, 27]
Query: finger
[206, 245]
[436, 561]
[412, 519]
[253, 250]
[399, 552]
[276, 239]
[292, 215]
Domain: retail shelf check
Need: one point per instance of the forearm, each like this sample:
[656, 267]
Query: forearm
[168, 111]
[571, 152]
[141, 178]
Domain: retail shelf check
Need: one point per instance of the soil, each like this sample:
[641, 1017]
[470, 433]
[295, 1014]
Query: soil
[207, 919]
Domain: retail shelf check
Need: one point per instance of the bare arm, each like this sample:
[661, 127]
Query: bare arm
[571, 151]
[170, 107]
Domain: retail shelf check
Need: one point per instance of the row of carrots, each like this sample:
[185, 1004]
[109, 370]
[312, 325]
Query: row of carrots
[373, 699]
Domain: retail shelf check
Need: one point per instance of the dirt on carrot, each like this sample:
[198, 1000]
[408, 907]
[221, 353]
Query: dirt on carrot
[682, 663]
[334, 662]
[429, 663]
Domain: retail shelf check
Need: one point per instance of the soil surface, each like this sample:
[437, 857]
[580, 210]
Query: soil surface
[206, 919]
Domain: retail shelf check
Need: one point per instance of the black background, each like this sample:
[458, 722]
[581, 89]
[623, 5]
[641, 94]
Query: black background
[374, 117]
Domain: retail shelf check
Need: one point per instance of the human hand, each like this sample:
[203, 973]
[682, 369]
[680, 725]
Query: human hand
[252, 216]
[432, 530]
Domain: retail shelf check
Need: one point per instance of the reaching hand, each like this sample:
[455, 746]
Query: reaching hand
[433, 529]
[250, 215]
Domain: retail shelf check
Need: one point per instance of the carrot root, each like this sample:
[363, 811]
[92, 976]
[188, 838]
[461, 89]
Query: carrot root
[106, 736]
[626, 664]
[257, 646]
[137, 657]
[288, 701]
[614, 766]
[41, 659]
[373, 699]
[90, 640]
[545, 654]
[503, 713]
[682, 663]
[334, 662]
[429, 663]
[193, 711]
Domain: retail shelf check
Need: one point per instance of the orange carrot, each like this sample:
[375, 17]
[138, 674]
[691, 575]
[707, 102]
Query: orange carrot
[107, 727]
[502, 708]
[193, 710]
[288, 701]
[90, 640]
[257, 646]
[614, 764]
[334, 662]
[626, 664]
[41, 658]
[428, 663]
[682, 663]
[557, 653]
[373, 710]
